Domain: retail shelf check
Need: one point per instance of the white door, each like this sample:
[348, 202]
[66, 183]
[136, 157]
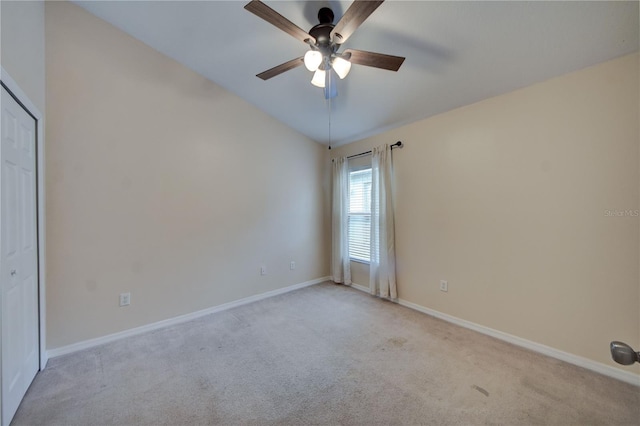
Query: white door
[18, 261]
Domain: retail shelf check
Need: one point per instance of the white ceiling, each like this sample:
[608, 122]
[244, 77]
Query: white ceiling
[457, 52]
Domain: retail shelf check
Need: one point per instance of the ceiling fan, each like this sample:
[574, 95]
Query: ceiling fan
[324, 41]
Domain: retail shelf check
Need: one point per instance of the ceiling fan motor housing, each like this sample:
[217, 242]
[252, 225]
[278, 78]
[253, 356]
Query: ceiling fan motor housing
[322, 31]
[322, 34]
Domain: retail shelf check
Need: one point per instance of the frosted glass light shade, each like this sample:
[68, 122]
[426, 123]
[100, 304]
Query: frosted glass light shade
[319, 78]
[341, 67]
[312, 60]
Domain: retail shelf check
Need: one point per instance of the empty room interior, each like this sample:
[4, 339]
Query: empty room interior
[320, 212]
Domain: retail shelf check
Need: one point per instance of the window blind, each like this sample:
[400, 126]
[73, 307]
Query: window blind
[359, 214]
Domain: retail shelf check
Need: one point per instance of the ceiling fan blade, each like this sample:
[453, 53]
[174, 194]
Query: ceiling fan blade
[357, 13]
[376, 60]
[277, 70]
[265, 12]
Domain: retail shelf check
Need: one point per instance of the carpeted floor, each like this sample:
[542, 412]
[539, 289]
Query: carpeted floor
[326, 354]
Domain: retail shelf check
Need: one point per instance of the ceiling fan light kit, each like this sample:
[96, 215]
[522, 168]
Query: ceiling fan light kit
[341, 66]
[312, 60]
[319, 78]
[325, 39]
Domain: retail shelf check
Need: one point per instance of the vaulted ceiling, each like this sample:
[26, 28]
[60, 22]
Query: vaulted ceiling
[457, 53]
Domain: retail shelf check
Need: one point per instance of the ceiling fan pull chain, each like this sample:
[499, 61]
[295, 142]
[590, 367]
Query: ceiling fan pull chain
[329, 110]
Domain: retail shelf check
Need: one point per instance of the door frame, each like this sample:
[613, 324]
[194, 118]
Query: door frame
[12, 87]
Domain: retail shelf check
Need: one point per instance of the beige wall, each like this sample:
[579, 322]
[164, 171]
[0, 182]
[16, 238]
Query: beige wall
[22, 46]
[507, 199]
[163, 184]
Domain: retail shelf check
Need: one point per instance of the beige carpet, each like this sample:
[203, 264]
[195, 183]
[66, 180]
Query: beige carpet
[322, 355]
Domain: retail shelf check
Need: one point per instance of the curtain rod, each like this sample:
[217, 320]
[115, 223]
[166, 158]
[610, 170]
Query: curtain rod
[395, 145]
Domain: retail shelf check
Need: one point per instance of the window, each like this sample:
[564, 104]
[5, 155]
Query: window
[359, 214]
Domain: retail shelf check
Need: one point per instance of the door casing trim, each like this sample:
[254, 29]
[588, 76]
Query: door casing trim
[12, 87]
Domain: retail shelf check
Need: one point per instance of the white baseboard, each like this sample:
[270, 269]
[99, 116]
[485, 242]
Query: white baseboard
[63, 350]
[360, 287]
[625, 376]
[44, 359]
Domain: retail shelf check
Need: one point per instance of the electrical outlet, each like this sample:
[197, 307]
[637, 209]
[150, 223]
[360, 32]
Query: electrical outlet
[292, 265]
[263, 270]
[444, 286]
[125, 299]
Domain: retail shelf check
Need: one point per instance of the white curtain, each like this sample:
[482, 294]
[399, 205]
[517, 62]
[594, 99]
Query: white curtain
[340, 263]
[382, 269]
